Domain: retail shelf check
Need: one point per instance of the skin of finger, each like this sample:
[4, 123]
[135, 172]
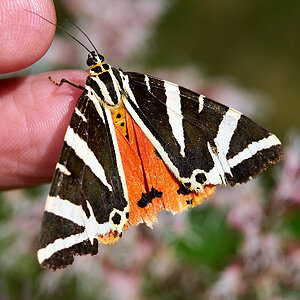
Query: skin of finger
[34, 116]
[24, 37]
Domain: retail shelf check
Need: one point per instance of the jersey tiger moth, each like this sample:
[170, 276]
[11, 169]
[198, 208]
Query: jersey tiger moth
[137, 145]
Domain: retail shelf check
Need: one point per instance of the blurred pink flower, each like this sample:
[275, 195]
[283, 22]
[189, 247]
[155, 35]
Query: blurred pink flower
[246, 215]
[229, 285]
[244, 204]
[293, 266]
[261, 252]
[25, 222]
[288, 188]
[118, 31]
[294, 257]
[122, 284]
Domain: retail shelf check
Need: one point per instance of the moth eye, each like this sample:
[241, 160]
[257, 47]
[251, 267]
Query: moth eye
[89, 61]
[105, 67]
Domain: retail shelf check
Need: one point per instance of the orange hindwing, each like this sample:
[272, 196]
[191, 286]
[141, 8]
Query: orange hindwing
[151, 186]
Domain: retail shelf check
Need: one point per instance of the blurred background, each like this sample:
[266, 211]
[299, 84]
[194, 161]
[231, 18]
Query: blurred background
[241, 244]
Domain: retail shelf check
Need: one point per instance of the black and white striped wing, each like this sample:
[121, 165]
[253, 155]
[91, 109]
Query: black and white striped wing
[201, 141]
[88, 197]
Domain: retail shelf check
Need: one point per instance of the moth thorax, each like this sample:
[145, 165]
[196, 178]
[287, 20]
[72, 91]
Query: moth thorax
[119, 118]
[105, 87]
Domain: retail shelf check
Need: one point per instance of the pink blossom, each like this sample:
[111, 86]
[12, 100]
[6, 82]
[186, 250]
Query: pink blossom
[229, 285]
[120, 30]
[288, 189]
[261, 252]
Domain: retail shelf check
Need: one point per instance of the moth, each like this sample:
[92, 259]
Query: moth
[137, 145]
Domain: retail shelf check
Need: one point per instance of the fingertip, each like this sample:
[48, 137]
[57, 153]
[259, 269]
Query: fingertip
[24, 37]
[34, 116]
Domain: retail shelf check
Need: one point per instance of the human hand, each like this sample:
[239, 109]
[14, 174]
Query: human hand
[34, 112]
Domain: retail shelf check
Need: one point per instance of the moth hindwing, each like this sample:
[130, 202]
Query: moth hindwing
[136, 145]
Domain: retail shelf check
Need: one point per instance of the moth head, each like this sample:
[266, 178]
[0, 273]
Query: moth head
[94, 58]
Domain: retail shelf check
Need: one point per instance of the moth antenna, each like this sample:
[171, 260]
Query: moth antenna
[84, 35]
[65, 31]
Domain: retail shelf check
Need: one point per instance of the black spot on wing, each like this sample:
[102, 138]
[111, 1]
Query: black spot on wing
[146, 199]
[183, 190]
[155, 194]
[187, 185]
[201, 178]
[116, 218]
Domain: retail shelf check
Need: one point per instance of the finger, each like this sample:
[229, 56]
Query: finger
[34, 116]
[24, 37]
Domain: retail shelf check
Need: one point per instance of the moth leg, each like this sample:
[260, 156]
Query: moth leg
[63, 80]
